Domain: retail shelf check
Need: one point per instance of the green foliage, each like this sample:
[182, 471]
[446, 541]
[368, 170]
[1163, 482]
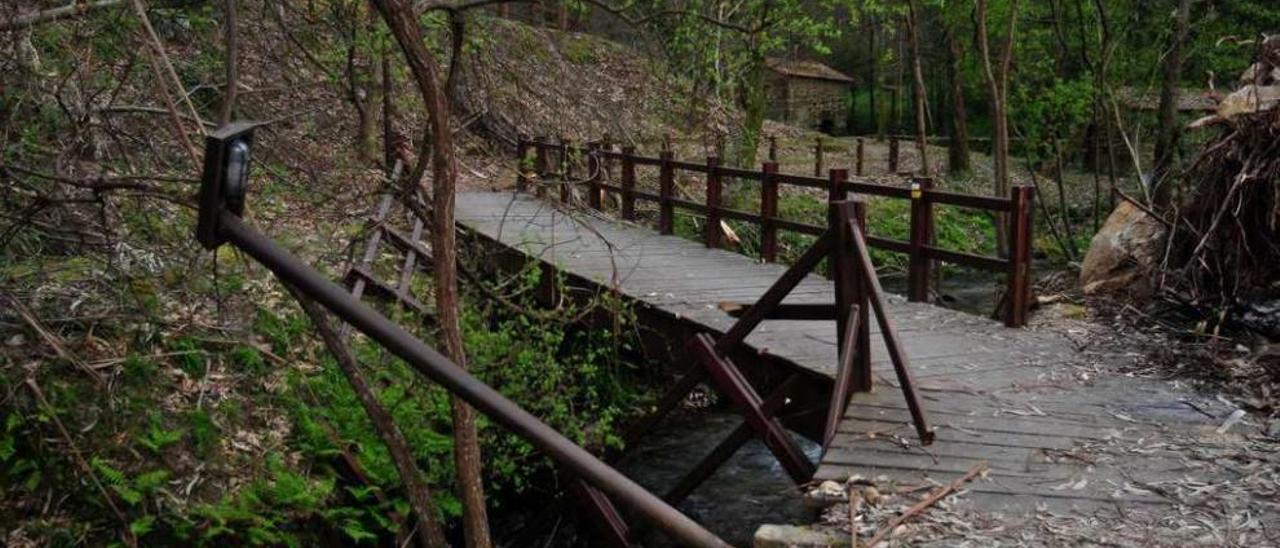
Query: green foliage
[204, 433]
[260, 513]
[579, 50]
[156, 437]
[280, 331]
[248, 360]
[139, 369]
[191, 359]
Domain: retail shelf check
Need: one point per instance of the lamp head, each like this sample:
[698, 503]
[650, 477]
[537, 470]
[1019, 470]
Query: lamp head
[225, 180]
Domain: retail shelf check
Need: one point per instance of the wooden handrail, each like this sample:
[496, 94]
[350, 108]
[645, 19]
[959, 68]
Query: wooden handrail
[921, 248]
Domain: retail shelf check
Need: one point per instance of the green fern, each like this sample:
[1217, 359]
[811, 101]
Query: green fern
[109, 475]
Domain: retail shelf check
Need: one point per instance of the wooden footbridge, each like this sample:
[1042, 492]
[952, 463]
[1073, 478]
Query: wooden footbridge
[921, 391]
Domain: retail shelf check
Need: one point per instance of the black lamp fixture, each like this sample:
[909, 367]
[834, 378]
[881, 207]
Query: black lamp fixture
[225, 180]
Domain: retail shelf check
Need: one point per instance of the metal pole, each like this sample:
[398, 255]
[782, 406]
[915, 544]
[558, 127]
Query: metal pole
[484, 398]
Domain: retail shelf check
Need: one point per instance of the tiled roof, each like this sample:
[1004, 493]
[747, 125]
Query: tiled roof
[807, 69]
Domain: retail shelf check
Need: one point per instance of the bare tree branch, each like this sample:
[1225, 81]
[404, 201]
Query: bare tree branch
[70, 10]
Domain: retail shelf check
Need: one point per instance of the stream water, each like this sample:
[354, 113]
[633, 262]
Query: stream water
[751, 489]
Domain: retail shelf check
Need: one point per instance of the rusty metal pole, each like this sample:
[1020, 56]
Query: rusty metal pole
[441, 370]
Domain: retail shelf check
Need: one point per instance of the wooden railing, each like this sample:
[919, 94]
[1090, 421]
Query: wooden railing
[546, 165]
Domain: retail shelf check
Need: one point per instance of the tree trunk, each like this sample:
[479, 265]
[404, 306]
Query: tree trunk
[958, 153]
[404, 25]
[1169, 132]
[232, 60]
[873, 82]
[918, 89]
[998, 85]
[754, 103]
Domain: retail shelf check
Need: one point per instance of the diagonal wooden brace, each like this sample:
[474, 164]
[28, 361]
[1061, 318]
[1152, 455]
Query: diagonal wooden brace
[776, 401]
[731, 382]
[612, 528]
[891, 340]
[844, 383]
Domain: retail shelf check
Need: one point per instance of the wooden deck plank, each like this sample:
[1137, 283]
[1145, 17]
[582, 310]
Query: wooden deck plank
[993, 394]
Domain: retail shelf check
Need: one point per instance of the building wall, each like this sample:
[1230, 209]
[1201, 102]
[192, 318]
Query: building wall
[808, 102]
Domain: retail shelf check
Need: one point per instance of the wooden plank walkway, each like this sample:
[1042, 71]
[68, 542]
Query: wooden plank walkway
[1023, 401]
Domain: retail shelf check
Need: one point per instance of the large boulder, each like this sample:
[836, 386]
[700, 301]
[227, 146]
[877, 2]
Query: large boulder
[1123, 254]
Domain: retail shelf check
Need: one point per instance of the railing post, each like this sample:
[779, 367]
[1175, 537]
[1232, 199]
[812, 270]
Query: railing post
[606, 166]
[836, 191]
[893, 154]
[842, 267]
[628, 183]
[595, 170]
[858, 166]
[666, 187]
[522, 156]
[921, 230]
[862, 380]
[769, 211]
[540, 165]
[1019, 290]
[565, 171]
[817, 158]
[713, 201]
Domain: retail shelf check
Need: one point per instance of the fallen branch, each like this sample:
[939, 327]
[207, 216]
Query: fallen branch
[69, 10]
[1135, 203]
[416, 489]
[928, 501]
[51, 338]
[129, 539]
[162, 67]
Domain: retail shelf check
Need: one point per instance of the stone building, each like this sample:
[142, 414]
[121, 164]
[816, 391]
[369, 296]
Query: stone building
[807, 94]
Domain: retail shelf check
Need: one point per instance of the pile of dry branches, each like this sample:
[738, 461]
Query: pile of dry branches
[1226, 244]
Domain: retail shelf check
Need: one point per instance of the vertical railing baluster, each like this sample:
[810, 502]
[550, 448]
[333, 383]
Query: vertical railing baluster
[858, 165]
[769, 211]
[628, 183]
[817, 158]
[1019, 290]
[862, 379]
[666, 187]
[540, 165]
[596, 169]
[522, 171]
[921, 229]
[893, 155]
[713, 201]
[566, 171]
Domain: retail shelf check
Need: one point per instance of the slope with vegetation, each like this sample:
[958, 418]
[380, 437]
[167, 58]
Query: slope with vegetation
[155, 393]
